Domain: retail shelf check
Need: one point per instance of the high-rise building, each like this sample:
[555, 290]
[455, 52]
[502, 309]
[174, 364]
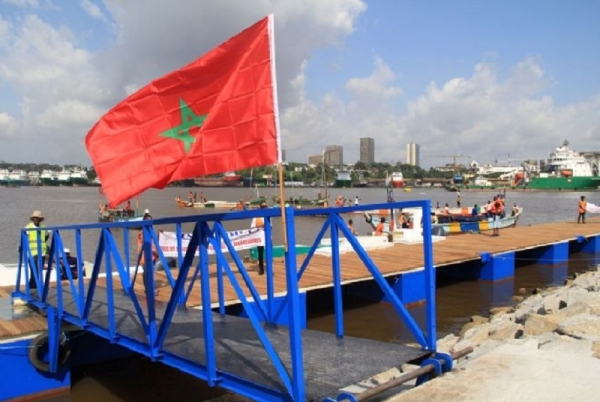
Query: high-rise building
[334, 155]
[412, 154]
[283, 155]
[367, 150]
[314, 160]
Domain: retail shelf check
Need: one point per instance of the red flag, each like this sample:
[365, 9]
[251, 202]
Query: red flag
[218, 113]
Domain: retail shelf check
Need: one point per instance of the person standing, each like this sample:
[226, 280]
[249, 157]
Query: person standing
[356, 201]
[380, 227]
[351, 227]
[259, 223]
[496, 211]
[38, 255]
[458, 200]
[140, 246]
[582, 209]
[71, 266]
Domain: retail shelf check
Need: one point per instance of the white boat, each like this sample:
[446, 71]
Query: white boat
[206, 204]
[4, 177]
[79, 177]
[49, 178]
[64, 178]
[34, 178]
[396, 180]
[18, 178]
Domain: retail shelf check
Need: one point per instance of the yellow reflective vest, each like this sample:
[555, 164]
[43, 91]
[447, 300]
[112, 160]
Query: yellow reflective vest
[32, 237]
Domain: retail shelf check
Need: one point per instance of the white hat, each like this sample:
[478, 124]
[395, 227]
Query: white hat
[37, 214]
[146, 211]
[67, 250]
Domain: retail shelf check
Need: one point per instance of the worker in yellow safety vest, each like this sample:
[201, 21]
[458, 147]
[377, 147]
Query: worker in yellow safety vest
[36, 219]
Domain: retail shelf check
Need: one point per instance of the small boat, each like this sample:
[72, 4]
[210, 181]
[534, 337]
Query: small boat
[206, 204]
[119, 215]
[455, 221]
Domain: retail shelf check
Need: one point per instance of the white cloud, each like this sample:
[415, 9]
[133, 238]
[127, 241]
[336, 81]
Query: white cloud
[93, 10]
[8, 126]
[23, 3]
[377, 84]
[480, 116]
[68, 113]
[62, 88]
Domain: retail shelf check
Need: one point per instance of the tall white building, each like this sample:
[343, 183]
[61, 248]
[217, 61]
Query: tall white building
[412, 154]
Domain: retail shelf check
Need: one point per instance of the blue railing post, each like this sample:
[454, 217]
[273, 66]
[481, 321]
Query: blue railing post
[337, 278]
[220, 284]
[429, 276]
[53, 341]
[179, 232]
[299, 391]
[268, 258]
[207, 319]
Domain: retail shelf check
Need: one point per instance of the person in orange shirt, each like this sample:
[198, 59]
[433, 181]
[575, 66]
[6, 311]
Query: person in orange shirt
[582, 209]
[380, 227]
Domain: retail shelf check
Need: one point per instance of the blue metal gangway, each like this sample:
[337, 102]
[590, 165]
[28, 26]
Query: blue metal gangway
[253, 356]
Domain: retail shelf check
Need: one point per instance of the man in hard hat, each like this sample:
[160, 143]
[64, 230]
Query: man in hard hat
[38, 255]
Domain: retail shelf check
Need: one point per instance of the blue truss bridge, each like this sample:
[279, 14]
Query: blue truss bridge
[266, 353]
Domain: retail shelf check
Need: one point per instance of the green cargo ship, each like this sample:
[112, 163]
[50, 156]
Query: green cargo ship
[565, 170]
[564, 183]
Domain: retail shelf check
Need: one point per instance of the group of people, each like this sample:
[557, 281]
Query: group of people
[193, 197]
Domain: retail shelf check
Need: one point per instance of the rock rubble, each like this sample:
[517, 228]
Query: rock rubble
[545, 348]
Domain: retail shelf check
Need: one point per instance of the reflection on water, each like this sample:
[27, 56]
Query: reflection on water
[137, 379]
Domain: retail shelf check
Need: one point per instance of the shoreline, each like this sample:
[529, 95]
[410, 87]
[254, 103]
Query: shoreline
[547, 347]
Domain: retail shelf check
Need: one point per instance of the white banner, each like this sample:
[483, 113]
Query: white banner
[241, 240]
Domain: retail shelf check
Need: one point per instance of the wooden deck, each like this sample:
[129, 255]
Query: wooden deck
[399, 258]
[391, 261]
[20, 326]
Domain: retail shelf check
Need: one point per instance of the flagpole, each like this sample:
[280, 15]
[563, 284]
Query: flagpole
[276, 110]
[282, 205]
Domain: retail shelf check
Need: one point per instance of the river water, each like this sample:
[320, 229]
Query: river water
[139, 380]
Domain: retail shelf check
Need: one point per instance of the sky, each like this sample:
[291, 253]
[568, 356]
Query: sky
[465, 79]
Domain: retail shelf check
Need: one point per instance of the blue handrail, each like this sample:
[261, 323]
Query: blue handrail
[193, 265]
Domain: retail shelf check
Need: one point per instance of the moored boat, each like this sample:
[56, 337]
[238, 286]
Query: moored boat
[79, 178]
[343, 179]
[397, 180]
[18, 178]
[64, 178]
[49, 178]
[4, 177]
[565, 169]
[228, 179]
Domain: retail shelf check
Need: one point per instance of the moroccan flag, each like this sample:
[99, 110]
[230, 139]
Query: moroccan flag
[216, 114]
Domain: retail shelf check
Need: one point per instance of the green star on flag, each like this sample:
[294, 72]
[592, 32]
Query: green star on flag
[188, 120]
